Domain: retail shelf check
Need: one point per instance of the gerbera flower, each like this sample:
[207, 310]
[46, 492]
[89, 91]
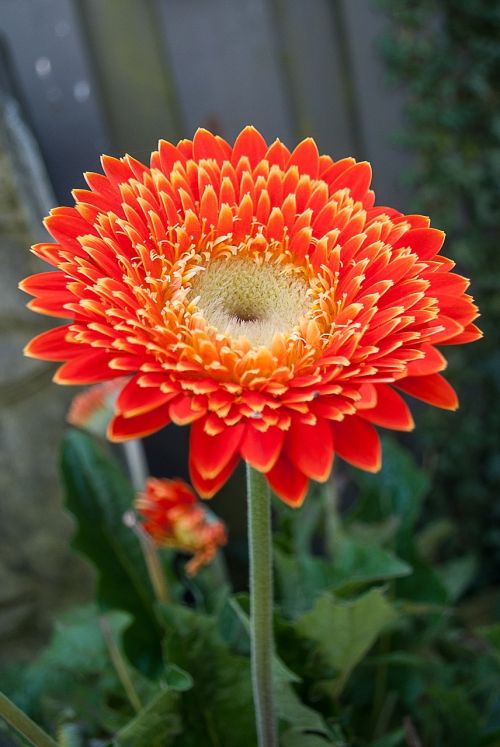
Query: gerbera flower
[256, 294]
[174, 518]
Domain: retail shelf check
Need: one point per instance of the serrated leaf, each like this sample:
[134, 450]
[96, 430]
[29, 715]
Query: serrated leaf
[98, 494]
[219, 705]
[355, 564]
[344, 631]
[157, 725]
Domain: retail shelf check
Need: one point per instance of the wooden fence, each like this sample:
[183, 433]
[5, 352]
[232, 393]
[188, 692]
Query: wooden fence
[115, 75]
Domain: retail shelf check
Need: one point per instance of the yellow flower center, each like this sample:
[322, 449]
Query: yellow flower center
[243, 297]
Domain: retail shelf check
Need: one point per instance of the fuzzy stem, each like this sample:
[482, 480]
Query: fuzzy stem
[261, 605]
[23, 724]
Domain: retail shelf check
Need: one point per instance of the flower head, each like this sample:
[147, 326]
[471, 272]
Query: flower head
[256, 294]
[174, 518]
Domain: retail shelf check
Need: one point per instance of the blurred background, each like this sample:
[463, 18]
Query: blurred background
[412, 86]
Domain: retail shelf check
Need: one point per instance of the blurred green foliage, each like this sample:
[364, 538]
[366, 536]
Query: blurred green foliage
[445, 55]
[381, 640]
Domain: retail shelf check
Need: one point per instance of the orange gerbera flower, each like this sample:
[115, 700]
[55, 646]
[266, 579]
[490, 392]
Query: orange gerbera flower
[257, 294]
[174, 518]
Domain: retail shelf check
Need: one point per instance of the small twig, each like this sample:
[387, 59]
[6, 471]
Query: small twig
[119, 664]
[151, 557]
[411, 734]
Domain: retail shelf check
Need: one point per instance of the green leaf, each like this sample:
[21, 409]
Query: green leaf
[74, 675]
[157, 725]
[423, 585]
[219, 704]
[491, 634]
[300, 719]
[298, 739]
[98, 495]
[395, 739]
[343, 631]
[177, 679]
[355, 564]
[398, 489]
[459, 719]
[457, 575]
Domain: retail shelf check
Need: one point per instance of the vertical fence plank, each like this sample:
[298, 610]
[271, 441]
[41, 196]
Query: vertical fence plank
[225, 65]
[312, 52]
[137, 92]
[379, 105]
[47, 53]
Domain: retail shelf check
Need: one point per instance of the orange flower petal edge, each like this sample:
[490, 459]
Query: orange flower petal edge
[257, 294]
[171, 514]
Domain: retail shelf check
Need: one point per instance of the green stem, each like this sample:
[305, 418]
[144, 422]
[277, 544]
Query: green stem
[119, 664]
[261, 605]
[23, 724]
[151, 557]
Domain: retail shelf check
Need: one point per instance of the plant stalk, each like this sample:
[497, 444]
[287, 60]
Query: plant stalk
[151, 557]
[119, 664]
[23, 724]
[261, 605]
[136, 463]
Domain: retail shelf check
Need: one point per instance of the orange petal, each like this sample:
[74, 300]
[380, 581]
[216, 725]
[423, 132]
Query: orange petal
[306, 158]
[391, 411]
[433, 389]
[450, 330]
[249, 143]
[426, 242]
[123, 429]
[211, 454]
[44, 282]
[310, 448]
[470, 334]
[134, 400]
[277, 154]
[357, 179]
[205, 145]
[89, 368]
[332, 172]
[66, 225]
[261, 449]
[52, 345]
[358, 443]
[169, 154]
[207, 488]
[288, 482]
[209, 206]
[182, 411]
[433, 362]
